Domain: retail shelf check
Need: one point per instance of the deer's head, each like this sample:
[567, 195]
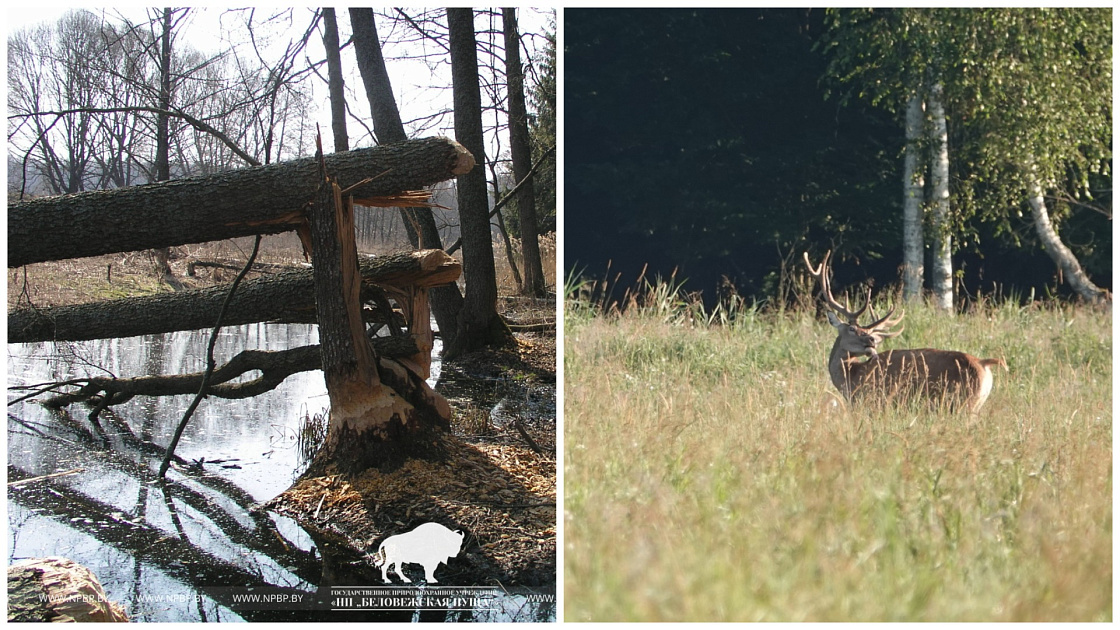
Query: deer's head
[853, 338]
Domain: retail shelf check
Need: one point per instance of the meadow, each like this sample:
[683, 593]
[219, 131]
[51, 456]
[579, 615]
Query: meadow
[713, 474]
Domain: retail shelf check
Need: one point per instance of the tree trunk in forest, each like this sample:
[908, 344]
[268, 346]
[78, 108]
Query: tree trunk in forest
[941, 271]
[418, 222]
[163, 121]
[1065, 259]
[913, 250]
[335, 84]
[257, 200]
[381, 414]
[387, 125]
[508, 247]
[521, 152]
[479, 324]
[285, 297]
[163, 141]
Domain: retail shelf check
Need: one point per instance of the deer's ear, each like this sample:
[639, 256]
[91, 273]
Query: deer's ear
[834, 320]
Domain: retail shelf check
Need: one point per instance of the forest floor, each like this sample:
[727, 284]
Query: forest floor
[493, 485]
[498, 483]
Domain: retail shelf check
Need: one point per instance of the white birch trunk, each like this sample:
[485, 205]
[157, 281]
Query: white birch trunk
[941, 272]
[1062, 256]
[913, 263]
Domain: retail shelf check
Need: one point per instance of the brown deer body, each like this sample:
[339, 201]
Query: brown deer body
[956, 379]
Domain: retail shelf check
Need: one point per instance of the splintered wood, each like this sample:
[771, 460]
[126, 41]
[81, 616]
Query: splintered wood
[406, 199]
[502, 496]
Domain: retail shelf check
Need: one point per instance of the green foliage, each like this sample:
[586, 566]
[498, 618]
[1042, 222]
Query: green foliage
[1035, 107]
[1028, 94]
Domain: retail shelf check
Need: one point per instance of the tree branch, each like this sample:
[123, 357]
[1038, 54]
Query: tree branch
[191, 120]
[509, 195]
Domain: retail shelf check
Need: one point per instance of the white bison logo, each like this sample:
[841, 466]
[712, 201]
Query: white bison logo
[427, 545]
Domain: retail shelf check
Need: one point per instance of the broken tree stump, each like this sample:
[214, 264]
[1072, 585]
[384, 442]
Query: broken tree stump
[58, 590]
[381, 413]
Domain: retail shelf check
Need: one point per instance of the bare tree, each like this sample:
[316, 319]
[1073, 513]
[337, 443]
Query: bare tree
[336, 85]
[51, 68]
[419, 222]
[479, 322]
[521, 153]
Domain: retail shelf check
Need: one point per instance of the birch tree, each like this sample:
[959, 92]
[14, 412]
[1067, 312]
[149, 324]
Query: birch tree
[1030, 93]
[913, 191]
[941, 235]
[885, 57]
[1037, 110]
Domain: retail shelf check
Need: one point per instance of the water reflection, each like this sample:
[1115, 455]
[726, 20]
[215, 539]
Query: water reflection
[157, 548]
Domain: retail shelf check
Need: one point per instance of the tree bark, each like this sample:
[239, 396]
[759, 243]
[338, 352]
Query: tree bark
[521, 152]
[941, 271]
[1065, 259]
[163, 140]
[381, 414]
[163, 121]
[913, 258]
[285, 297]
[58, 590]
[258, 200]
[335, 84]
[478, 324]
[418, 222]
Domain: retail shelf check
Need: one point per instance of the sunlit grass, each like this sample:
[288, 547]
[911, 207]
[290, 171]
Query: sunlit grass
[711, 474]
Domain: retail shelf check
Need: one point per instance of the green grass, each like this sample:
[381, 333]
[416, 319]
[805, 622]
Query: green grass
[711, 474]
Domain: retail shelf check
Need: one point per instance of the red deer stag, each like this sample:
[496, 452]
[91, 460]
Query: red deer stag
[940, 376]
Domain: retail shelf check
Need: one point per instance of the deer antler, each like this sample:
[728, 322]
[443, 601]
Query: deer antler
[885, 323]
[821, 273]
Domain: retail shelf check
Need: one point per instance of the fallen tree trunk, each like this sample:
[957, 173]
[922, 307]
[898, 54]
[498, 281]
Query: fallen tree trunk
[285, 297]
[258, 200]
[274, 366]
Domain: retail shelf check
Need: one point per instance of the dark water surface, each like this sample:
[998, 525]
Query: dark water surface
[161, 549]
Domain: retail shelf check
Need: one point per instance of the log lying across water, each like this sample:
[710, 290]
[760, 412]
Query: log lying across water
[285, 297]
[258, 200]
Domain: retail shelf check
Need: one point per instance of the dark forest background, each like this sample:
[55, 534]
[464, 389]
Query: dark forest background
[704, 141]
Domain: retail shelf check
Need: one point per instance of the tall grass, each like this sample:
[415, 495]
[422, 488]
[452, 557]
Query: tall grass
[711, 473]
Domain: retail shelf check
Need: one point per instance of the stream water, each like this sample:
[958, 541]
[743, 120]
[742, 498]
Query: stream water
[159, 549]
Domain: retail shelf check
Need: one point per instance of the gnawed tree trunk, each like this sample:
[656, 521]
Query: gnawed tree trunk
[257, 200]
[1071, 269]
[913, 246]
[941, 271]
[58, 590]
[284, 297]
[381, 414]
